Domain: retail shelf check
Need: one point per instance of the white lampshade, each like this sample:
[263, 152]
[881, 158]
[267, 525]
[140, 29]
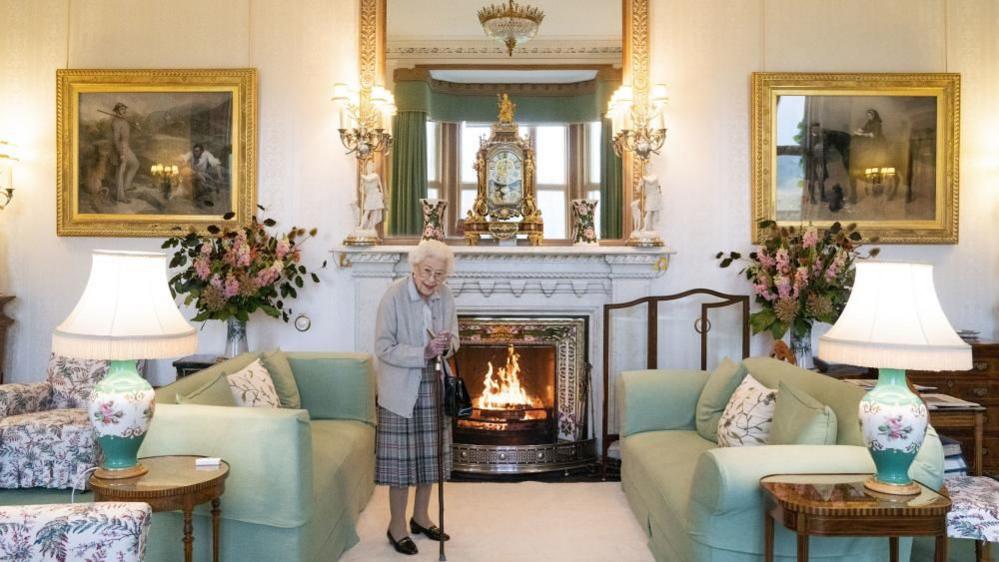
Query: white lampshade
[893, 320]
[126, 312]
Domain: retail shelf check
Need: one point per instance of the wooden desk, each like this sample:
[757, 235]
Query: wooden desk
[172, 483]
[5, 322]
[970, 420]
[979, 385]
[838, 505]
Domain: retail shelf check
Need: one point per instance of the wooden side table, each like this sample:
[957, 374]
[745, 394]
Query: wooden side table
[172, 483]
[837, 505]
[194, 363]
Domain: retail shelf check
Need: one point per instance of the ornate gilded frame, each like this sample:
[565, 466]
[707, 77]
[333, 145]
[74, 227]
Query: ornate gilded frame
[946, 88]
[635, 68]
[70, 83]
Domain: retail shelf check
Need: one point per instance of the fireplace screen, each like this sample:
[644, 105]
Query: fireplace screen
[529, 382]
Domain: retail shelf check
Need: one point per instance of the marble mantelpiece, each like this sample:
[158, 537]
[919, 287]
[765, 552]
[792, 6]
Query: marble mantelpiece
[553, 280]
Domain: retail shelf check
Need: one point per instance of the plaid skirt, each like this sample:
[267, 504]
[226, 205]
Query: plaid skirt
[406, 448]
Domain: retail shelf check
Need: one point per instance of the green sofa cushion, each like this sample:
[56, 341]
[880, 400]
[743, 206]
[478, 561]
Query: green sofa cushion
[800, 419]
[283, 378]
[186, 385]
[657, 399]
[335, 385]
[215, 392]
[722, 382]
[843, 398]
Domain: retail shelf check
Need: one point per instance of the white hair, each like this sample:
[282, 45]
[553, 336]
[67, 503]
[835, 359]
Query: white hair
[432, 249]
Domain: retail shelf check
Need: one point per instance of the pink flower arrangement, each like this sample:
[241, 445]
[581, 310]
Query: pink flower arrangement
[233, 272]
[800, 275]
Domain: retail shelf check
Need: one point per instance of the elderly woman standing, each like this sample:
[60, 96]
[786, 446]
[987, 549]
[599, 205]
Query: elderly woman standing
[412, 309]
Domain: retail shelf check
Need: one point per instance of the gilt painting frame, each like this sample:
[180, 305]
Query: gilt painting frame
[155, 152]
[878, 149]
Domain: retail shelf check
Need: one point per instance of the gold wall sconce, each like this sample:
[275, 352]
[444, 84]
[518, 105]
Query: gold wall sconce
[365, 119]
[8, 158]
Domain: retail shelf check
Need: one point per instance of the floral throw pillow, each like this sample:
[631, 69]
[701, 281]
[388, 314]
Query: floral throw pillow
[748, 416]
[253, 387]
[73, 379]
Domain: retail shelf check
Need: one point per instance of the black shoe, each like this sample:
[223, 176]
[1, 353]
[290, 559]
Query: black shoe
[433, 532]
[403, 546]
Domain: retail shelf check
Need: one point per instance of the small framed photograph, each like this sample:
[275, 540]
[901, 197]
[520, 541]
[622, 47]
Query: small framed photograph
[880, 150]
[154, 152]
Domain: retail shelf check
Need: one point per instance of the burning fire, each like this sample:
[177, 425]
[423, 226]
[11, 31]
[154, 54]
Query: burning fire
[502, 389]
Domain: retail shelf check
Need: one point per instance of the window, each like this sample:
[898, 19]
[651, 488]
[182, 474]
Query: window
[567, 158]
[433, 158]
[550, 151]
[594, 136]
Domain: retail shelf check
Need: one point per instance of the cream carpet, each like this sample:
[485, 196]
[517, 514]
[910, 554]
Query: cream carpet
[496, 522]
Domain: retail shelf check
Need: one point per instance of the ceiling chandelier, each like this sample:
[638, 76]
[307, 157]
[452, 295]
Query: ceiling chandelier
[512, 24]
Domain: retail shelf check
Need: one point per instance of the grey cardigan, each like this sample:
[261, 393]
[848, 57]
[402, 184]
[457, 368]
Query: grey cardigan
[400, 338]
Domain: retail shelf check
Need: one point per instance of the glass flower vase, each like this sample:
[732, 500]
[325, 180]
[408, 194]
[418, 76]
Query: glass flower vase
[235, 337]
[801, 347]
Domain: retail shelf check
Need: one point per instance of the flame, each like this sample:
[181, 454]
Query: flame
[502, 389]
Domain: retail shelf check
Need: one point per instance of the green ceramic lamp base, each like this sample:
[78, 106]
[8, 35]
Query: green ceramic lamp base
[121, 408]
[910, 489]
[893, 421]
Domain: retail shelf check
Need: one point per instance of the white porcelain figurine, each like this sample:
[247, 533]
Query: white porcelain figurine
[369, 211]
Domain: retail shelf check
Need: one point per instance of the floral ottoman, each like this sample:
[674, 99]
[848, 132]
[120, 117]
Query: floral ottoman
[105, 531]
[47, 449]
[975, 511]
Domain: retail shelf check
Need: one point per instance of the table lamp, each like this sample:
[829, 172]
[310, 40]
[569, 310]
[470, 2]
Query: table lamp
[893, 321]
[126, 313]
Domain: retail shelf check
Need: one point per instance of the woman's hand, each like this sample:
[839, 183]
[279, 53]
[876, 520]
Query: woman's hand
[438, 345]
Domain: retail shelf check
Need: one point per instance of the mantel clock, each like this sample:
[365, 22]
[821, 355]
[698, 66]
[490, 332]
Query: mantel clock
[505, 206]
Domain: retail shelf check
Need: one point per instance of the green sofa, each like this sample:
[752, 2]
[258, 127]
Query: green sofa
[699, 502]
[298, 478]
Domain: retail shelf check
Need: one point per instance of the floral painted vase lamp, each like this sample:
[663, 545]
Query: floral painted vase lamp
[126, 313]
[893, 321]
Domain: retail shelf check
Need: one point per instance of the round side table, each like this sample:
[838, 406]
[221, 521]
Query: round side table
[172, 483]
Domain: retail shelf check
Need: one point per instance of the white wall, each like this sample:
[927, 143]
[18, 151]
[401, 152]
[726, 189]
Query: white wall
[704, 49]
[304, 178]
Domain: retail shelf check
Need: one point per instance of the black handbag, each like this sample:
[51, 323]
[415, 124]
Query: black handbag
[457, 402]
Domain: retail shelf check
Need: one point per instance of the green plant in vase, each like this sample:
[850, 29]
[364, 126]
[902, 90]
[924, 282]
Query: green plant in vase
[233, 272]
[800, 275]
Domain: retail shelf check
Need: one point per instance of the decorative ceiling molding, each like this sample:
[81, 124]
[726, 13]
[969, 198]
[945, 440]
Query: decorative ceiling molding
[560, 90]
[538, 48]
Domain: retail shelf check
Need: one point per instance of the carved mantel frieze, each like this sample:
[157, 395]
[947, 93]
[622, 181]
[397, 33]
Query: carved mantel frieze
[519, 270]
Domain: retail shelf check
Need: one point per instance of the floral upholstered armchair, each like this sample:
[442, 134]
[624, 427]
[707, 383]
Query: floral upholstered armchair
[88, 531]
[46, 439]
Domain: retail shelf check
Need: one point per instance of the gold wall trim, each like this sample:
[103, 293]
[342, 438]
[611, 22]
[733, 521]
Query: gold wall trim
[635, 66]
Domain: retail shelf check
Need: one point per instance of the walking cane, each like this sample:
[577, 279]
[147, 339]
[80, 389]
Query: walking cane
[439, 390]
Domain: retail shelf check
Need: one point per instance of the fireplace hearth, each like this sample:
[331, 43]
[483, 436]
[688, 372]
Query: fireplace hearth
[528, 378]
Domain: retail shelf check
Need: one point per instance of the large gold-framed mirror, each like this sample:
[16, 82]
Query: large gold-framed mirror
[445, 74]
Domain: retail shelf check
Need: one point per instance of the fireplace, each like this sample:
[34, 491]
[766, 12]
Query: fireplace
[528, 378]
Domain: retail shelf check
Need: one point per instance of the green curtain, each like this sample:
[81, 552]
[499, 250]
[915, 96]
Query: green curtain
[611, 186]
[409, 173]
[416, 95]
